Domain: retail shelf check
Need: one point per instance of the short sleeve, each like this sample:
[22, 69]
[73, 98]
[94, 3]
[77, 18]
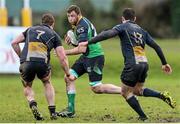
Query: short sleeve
[82, 33]
[25, 32]
[57, 41]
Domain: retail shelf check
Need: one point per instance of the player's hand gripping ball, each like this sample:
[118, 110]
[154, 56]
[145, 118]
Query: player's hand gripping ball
[72, 37]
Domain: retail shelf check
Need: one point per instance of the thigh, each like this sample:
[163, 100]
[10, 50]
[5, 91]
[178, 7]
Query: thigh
[94, 68]
[128, 76]
[42, 70]
[138, 89]
[27, 71]
[78, 67]
[143, 74]
[126, 91]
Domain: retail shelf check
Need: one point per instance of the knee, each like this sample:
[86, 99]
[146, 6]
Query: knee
[138, 91]
[97, 90]
[124, 93]
[46, 82]
[127, 92]
[46, 79]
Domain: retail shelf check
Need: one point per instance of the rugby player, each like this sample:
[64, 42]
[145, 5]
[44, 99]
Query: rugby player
[90, 62]
[133, 39]
[35, 60]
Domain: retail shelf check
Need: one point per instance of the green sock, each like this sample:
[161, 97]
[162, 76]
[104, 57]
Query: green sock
[71, 99]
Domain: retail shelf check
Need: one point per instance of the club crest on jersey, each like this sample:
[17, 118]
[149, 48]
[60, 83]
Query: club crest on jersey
[80, 30]
[89, 69]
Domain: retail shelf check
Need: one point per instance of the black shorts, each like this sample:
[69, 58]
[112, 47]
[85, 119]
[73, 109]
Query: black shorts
[29, 70]
[92, 66]
[133, 74]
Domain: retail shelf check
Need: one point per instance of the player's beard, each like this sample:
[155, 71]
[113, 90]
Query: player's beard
[75, 21]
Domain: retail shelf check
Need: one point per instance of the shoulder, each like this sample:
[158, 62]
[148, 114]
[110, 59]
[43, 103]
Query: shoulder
[145, 32]
[84, 22]
[35, 27]
[119, 27]
[82, 27]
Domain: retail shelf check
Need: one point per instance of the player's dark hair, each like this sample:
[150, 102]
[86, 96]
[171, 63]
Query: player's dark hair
[129, 14]
[74, 8]
[48, 19]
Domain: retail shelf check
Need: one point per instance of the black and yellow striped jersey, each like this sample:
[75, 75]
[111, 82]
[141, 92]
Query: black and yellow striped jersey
[39, 40]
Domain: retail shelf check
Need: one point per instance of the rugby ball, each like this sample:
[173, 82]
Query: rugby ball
[73, 40]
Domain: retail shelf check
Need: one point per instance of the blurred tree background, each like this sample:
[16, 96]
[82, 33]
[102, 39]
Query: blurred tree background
[175, 7]
[160, 17]
[156, 16]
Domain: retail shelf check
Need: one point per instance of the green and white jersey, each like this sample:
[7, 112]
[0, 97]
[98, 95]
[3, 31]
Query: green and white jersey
[84, 31]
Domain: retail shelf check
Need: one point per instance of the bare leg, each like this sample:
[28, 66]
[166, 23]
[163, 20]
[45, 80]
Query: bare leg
[29, 93]
[71, 92]
[49, 90]
[138, 89]
[146, 92]
[70, 85]
[127, 93]
[107, 88]
[49, 93]
[50, 96]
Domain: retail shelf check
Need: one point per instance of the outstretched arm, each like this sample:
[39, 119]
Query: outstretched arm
[165, 67]
[159, 52]
[104, 35]
[77, 50]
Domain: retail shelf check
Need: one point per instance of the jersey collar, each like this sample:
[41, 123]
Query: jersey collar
[46, 25]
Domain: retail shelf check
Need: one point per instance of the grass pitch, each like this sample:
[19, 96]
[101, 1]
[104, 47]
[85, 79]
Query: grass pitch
[98, 108]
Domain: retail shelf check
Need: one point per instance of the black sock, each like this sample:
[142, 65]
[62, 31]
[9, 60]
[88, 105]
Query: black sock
[133, 102]
[52, 109]
[32, 103]
[151, 93]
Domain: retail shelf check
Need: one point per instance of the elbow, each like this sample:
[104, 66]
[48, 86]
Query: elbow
[13, 43]
[157, 48]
